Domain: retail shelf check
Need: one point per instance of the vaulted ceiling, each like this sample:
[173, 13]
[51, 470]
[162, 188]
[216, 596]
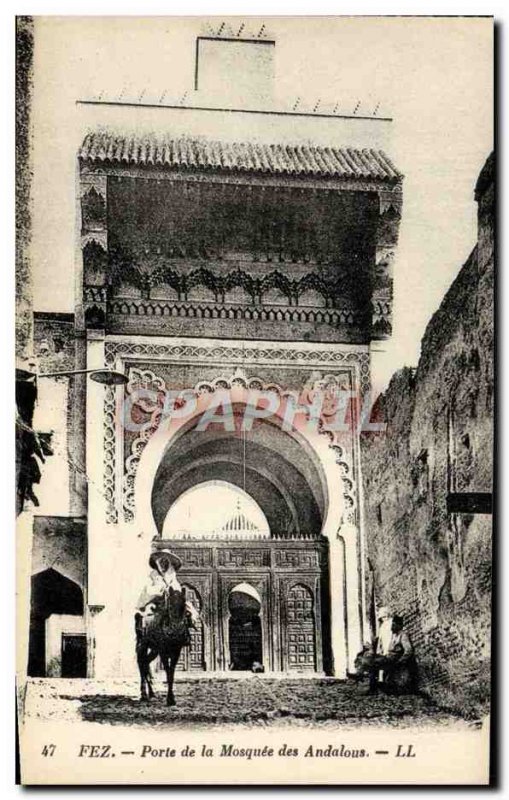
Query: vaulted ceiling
[269, 464]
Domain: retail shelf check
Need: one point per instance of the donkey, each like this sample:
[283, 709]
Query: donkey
[162, 629]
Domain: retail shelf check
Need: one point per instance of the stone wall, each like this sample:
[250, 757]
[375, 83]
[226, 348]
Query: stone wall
[431, 566]
[24, 85]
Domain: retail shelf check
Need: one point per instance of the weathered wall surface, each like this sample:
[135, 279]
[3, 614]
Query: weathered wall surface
[62, 489]
[432, 567]
[57, 586]
[60, 543]
[24, 78]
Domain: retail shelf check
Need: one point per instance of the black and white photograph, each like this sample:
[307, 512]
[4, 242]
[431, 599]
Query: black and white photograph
[254, 399]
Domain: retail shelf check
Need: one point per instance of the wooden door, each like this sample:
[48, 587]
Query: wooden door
[193, 657]
[300, 629]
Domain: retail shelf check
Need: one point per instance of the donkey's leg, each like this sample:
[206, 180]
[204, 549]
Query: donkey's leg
[145, 655]
[174, 657]
[141, 656]
[169, 663]
[166, 667]
[151, 656]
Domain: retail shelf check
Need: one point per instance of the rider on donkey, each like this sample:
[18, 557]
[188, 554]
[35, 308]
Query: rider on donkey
[162, 622]
[163, 600]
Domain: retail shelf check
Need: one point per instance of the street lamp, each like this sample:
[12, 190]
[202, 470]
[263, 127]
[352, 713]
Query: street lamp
[31, 443]
[108, 377]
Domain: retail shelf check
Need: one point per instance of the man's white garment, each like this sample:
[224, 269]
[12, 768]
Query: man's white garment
[156, 585]
[384, 636]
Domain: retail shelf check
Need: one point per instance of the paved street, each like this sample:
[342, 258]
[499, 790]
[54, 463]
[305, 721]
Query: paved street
[250, 700]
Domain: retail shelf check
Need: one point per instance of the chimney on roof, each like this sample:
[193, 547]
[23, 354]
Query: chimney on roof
[235, 70]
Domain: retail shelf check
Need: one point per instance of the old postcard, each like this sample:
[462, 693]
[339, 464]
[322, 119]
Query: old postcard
[255, 390]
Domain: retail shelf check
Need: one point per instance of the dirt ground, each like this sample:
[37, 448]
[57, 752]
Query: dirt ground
[247, 701]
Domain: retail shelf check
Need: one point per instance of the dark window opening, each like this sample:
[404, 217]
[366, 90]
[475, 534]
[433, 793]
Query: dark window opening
[74, 655]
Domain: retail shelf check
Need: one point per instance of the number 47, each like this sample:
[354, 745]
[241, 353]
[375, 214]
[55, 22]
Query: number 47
[49, 750]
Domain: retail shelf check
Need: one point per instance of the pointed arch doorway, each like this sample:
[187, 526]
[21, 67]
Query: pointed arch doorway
[245, 635]
[245, 515]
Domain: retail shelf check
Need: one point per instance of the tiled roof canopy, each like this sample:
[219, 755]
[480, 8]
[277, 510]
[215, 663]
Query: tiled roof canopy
[245, 157]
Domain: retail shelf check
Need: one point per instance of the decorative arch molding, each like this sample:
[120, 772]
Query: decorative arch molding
[318, 361]
[96, 180]
[93, 207]
[99, 238]
[148, 380]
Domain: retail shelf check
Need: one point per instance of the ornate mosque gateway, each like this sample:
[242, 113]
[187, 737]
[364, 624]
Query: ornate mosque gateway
[260, 602]
[245, 255]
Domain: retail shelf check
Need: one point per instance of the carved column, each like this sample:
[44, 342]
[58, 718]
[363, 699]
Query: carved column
[382, 270]
[104, 578]
[94, 247]
[94, 467]
[93, 611]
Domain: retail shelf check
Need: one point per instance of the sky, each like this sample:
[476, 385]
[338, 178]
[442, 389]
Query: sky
[432, 75]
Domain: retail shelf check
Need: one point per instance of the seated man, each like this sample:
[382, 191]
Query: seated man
[363, 662]
[398, 663]
[401, 667]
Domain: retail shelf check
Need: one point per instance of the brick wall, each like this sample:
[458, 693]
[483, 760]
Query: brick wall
[433, 567]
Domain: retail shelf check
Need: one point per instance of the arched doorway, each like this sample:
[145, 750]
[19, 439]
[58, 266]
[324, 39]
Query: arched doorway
[294, 477]
[245, 515]
[267, 463]
[53, 593]
[245, 636]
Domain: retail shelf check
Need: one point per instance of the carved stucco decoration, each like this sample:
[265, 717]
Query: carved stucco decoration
[109, 456]
[164, 309]
[99, 237]
[93, 208]
[95, 294]
[293, 291]
[94, 244]
[96, 179]
[263, 353]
